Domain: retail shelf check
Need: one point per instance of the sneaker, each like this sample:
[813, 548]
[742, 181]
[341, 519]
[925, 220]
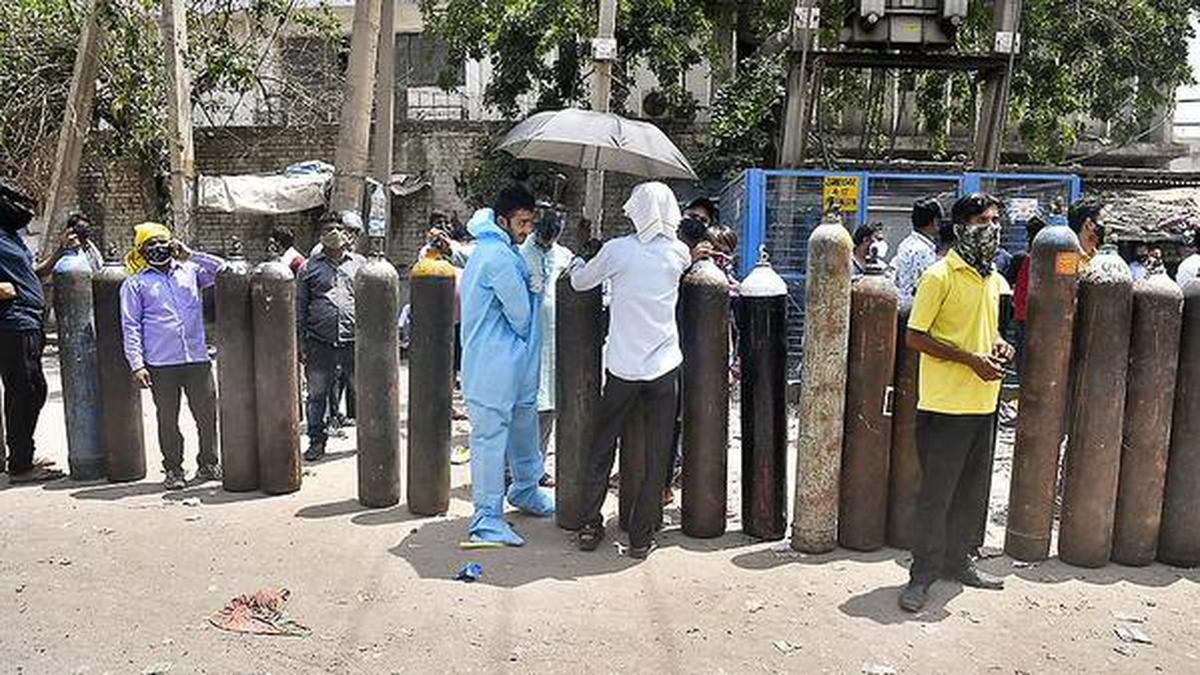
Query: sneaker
[461, 454]
[546, 481]
[590, 536]
[174, 480]
[913, 597]
[208, 473]
[643, 552]
[348, 422]
[972, 576]
[315, 452]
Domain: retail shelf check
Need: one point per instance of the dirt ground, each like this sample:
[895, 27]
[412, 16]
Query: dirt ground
[100, 578]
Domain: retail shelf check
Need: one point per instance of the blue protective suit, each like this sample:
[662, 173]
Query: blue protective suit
[501, 342]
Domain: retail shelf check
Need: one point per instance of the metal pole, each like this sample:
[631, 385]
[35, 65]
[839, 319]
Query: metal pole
[604, 52]
[385, 106]
[354, 124]
[994, 111]
[805, 19]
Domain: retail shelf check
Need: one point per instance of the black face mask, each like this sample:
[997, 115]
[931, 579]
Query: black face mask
[158, 255]
[692, 230]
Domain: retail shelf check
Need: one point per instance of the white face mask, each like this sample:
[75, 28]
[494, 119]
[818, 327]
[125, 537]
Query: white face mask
[879, 249]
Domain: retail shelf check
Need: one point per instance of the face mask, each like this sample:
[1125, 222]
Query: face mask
[879, 250]
[333, 240]
[158, 255]
[977, 245]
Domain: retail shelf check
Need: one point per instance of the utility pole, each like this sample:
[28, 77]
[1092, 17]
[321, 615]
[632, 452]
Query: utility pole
[806, 20]
[604, 52]
[385, 113]
[77, 120]
[993, 113]
[354, 124]
[179, 116]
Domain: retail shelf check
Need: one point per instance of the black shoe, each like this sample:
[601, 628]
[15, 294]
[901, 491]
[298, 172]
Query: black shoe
[210, 472]
[590, 536]
[546, 481]
[174, 480]
[642, 552]
[913, 597]
[315, 452]
[970, 575]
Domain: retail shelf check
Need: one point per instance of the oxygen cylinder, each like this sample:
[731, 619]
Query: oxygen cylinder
[870, 368]
[577, 395]
[1050, 319]
[236, 374]
[430, 386]
[1093, 460]
[904, 466]
[822, 388]
[704, 333]
[1179, 539]
[77, 361]
[119, 402]
[377, 381]
[632, 463]
[761, 310]
[1149, 406]
[273, 294]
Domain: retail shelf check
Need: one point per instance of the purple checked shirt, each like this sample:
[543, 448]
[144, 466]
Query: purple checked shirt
[162, 317]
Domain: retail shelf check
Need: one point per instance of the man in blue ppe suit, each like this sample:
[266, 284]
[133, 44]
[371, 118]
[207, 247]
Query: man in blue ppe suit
[501, 344]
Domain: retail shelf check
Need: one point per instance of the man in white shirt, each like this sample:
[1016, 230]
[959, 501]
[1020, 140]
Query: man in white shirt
[643, 357]
[1190, 267]
[918, 250]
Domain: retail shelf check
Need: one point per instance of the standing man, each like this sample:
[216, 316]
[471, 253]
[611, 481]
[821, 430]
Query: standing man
[547, 260]
[22, 339]
[162, 323]
[1190, 267]
[501, 339]
[955, 325]
[1086, 221]
[642, 357]
[282, 245]
[866, 239]
[325, 322]
[919, 249]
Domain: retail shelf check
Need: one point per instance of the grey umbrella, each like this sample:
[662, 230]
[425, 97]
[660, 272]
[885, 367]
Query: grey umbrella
[593, 140]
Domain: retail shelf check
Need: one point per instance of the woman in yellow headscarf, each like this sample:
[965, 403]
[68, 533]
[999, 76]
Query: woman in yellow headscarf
[135, 259]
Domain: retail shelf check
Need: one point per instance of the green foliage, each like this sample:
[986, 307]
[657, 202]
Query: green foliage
[745, 117]
[541, 48]
[229, 43]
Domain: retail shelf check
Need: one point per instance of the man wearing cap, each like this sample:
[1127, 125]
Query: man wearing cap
[325, 321]
[162, 323]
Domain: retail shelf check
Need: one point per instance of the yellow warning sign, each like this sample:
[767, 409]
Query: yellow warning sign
[842, 191]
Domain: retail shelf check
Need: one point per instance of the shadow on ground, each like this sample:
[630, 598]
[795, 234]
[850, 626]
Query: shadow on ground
[880, 605]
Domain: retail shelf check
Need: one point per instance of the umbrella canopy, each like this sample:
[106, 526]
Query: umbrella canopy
[601, 141]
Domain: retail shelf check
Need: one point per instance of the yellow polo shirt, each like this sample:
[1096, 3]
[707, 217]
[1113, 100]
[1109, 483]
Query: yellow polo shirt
[956, 305]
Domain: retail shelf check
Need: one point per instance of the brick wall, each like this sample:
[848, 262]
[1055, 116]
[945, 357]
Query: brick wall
[120, 193]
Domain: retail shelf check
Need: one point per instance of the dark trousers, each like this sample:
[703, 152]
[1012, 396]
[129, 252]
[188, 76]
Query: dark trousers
[167, 386]
[24, 393]
[342, 388]
[955, 453]
[657, 399]
[321, 370]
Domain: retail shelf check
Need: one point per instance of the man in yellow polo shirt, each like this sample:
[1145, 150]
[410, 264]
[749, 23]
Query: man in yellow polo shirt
[955, 325]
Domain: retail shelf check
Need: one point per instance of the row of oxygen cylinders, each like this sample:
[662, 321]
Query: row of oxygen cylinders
[1110, 394]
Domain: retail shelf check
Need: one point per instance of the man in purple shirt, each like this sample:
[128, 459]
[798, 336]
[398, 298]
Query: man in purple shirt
[163, 325]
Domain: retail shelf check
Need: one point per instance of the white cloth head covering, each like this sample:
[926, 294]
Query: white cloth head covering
[654, 210]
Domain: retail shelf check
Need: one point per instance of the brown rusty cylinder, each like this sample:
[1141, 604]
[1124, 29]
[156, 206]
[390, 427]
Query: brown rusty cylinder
[430, 387]
[377, 382]
[704, 338]
[273, 294]
[761, 310]
[1179, 538]
[904, 466]
[870, 368]
[577, 395]
[77, 365]
[822, 388]
[1149, 406]
[1093, 459]
[632, 463]
[120, 400]
[236, 376]
[1046, 357]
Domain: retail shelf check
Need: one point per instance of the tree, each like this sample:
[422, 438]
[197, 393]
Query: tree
[541, 48]
[231, 43]
[1117, 62]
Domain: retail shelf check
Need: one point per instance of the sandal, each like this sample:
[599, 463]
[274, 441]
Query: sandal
[38, 474]
[590, 536]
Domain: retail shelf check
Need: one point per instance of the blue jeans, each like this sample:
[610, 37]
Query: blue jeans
[321, 370]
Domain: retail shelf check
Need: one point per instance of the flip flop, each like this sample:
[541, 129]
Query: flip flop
[476, 545]
[38, 474]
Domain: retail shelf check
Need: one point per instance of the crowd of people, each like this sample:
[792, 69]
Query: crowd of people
[950, 274]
